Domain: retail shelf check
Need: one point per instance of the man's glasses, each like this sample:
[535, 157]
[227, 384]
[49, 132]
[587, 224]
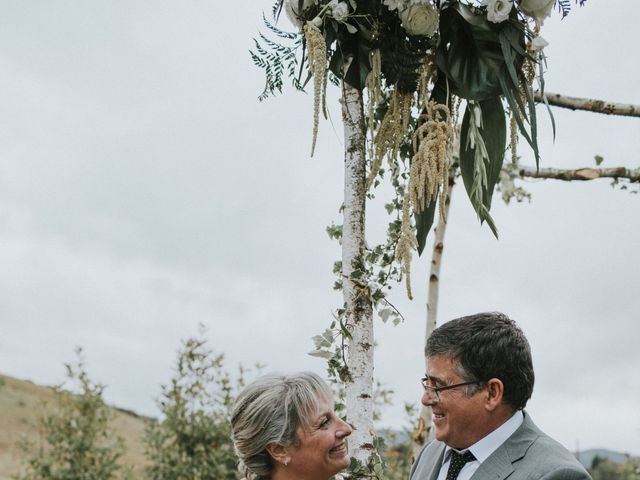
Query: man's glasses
[434, 392]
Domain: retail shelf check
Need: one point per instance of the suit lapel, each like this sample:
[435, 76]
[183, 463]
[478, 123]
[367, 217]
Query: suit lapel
[499, 465]
[435, 465]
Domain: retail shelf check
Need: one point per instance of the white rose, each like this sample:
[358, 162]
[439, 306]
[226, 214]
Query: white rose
[340, 12]
[498, 10]
[291, 9]
[420, 19]
[538, 9]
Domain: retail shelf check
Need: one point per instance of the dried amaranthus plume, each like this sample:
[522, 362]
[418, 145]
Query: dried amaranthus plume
[406, 243]
[317, 56]
[374, 91]
[513, 130]
[429, 173]
[392, 131]
[432, 158]
[427, 72]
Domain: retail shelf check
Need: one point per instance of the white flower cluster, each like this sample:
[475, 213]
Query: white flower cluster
[419, 17]
[498, 11]
[336, 9]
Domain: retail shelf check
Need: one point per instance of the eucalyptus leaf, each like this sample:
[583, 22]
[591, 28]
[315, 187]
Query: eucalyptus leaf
[494, 135]
[321, 353]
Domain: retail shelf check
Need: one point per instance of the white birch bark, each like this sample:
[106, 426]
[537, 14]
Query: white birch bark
[589, 104]
[359, 312]
[425, 427]
[587, 173]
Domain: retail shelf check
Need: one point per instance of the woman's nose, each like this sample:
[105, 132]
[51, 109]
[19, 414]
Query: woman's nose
[345, 429]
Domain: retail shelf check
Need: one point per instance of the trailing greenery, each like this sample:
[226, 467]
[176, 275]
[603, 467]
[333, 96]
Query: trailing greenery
[77, 441]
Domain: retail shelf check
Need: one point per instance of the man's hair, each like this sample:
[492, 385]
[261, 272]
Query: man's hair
[484, 346]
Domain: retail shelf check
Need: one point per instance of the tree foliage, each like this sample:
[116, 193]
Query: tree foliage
[193, 439]
[77, 441]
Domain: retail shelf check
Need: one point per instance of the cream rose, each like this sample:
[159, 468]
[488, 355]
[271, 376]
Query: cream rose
[538, 9]
[291, 9]
[420, 19]
[498, 10]
[340, 12]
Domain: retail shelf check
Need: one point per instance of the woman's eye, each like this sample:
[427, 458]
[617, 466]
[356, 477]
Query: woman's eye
[324, 422]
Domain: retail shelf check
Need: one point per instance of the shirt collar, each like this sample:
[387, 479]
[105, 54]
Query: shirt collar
[490, 443]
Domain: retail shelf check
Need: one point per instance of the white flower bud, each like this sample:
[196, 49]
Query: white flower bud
[498, 10]
[538, 43]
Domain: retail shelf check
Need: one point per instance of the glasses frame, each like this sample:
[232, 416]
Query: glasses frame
[435, 391]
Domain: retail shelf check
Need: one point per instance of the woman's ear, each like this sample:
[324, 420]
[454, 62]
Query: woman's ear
[495, 393]
[278, 453]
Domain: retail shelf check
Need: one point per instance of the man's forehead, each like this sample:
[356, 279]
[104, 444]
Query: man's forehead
[440, 366]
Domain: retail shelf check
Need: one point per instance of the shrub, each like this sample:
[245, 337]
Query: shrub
[77, 443]
[193, 439]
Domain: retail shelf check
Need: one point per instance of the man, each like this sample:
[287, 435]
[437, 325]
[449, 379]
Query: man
[479, 378]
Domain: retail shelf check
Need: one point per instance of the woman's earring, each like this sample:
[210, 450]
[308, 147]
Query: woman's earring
[286, 462]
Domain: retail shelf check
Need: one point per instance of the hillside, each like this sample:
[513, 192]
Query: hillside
[21, 403]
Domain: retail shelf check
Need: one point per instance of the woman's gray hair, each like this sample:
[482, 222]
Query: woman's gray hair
[270, 410]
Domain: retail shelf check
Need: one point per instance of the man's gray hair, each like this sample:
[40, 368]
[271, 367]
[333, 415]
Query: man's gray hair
[270, 410]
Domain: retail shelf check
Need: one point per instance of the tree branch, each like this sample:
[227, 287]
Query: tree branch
[590, 105]
[633, 175]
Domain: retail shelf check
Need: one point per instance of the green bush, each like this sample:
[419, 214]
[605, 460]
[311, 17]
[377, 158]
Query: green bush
[193, 439]
[77, 443]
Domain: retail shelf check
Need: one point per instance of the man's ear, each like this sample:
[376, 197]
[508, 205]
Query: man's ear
[278, 453]
[494, 394]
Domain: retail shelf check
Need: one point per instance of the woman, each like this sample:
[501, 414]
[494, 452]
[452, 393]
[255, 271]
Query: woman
[284, 428]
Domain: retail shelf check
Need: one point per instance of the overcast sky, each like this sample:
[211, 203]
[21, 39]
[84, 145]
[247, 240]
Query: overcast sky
[145, 190]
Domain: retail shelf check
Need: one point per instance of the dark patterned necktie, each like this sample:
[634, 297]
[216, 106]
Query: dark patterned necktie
[458, 461]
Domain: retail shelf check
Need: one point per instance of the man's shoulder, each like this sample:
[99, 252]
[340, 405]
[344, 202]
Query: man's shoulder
[535, 452]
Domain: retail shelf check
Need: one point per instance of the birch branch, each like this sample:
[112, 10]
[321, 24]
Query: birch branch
[421, 435]
[633, 175]
[589, 104]
[358, 308]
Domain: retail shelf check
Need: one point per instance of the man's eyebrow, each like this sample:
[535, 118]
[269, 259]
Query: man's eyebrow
[434, 378]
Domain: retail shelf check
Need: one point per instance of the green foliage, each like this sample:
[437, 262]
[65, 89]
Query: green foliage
[77, 441]
[604, 469]
[482, 146]
[193, 440]
[277, 59]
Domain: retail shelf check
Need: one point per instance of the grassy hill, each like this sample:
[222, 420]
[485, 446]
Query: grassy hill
[21, 404]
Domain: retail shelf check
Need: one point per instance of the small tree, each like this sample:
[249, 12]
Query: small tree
[77, 443]
[193, 440]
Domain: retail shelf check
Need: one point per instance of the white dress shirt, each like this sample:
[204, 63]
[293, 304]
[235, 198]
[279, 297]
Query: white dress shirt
[482, 448]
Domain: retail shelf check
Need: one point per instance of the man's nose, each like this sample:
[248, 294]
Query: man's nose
[428, 399]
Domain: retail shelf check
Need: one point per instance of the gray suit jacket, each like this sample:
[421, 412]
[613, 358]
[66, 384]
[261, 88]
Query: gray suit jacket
[528, 454]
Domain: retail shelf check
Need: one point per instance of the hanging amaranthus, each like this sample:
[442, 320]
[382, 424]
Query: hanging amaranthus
[429, 172]
[374, 90]
[391, 132]
[317, 58]
[406, 243]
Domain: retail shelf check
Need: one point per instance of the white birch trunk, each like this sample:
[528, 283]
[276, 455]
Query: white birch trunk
[359, 312]
[424, 430]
